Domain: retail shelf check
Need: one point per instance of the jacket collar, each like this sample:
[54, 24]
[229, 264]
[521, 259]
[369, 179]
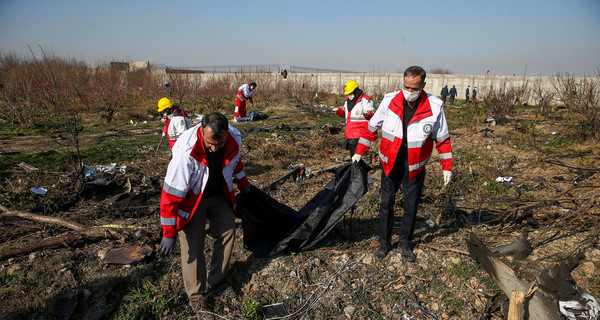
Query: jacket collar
[199, 152]
[423, 109]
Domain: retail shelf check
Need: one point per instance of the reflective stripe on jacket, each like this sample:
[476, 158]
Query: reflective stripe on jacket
[428, 126]
[244, 93]
[187, 175]
[357, 120]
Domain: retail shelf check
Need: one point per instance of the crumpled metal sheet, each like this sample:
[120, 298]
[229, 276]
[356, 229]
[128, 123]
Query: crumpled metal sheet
[127, 255]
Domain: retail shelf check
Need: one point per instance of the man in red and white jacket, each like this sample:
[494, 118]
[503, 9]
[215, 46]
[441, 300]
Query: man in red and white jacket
[244, 94]
[411, 121]
[199, 186]
[357, 111]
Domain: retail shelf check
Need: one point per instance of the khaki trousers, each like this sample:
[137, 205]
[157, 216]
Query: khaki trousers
[219, 213]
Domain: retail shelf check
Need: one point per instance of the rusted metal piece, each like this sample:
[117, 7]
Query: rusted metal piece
[127, 255]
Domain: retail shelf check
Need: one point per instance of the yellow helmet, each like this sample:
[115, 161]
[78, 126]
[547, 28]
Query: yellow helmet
[164, 103]
[350, 87]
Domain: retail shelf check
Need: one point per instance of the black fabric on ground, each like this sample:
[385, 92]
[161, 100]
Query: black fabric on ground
[271, 227]
[297, 173]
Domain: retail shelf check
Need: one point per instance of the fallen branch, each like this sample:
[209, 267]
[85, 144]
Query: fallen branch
[65, 239]
[88, 231]
[82, 232]
[570, 166]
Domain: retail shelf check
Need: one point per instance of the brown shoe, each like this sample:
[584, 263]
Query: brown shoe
[198, 304]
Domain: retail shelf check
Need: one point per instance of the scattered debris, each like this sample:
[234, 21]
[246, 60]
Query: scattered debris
[574, 302]
[540, 307]
[39, 190]
[127, 255]
[504, 179]
[89, 173]
[275, 310]
[113, 167]
[520, 248]
[27, 167]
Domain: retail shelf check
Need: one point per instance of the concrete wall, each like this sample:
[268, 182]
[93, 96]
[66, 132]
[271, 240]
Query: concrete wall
[377, 84]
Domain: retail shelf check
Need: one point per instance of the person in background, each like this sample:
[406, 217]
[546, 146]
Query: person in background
[453, 94]
[198, 186]
[176, 120]
[474, 94]
[244, 94]
[444, 93]
[357, 110]
[412, 122]
[467, 95]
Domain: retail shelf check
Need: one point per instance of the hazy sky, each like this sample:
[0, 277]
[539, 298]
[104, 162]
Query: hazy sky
[467, 37]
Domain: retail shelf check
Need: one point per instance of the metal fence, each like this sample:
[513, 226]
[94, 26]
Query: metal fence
[316, 70]
[225, 69]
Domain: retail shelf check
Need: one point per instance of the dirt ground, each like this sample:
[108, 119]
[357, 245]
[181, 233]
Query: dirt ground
[551, 199]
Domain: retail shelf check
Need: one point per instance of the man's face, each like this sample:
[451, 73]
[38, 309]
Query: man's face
[210, 144]
[252, 88]
[413, 84]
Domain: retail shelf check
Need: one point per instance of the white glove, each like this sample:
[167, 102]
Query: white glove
[447, 176]
[356, 157]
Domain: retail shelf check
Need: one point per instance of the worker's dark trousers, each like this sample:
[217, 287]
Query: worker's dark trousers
[412, 196]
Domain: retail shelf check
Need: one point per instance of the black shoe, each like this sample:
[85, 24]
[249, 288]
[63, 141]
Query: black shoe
[381, 252]
[407, 253]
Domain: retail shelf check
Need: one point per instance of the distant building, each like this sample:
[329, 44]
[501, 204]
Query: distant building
[130, 66]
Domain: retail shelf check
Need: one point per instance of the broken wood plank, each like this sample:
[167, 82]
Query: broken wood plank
[541, 306]
[516, 309]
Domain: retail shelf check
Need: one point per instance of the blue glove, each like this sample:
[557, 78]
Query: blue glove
[166, 245]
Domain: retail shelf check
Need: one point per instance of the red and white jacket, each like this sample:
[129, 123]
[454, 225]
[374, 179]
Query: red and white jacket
[187, 176]
[175, 125]
[427, 126]
[244, 93]
[357, 120]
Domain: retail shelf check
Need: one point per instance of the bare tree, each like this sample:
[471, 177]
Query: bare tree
[582, 97]
[56, 93]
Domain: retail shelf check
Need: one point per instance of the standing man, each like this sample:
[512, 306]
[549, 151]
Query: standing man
[244, 94]
[467, 95]
[474, 94]
[199, 186]
[176, 120]
[357, 111]
[444, 93]
[412, 122]
[453, 94]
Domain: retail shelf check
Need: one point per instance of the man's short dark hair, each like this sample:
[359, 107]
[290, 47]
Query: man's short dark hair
[253, 84]
[218, 124]
[415, 71]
